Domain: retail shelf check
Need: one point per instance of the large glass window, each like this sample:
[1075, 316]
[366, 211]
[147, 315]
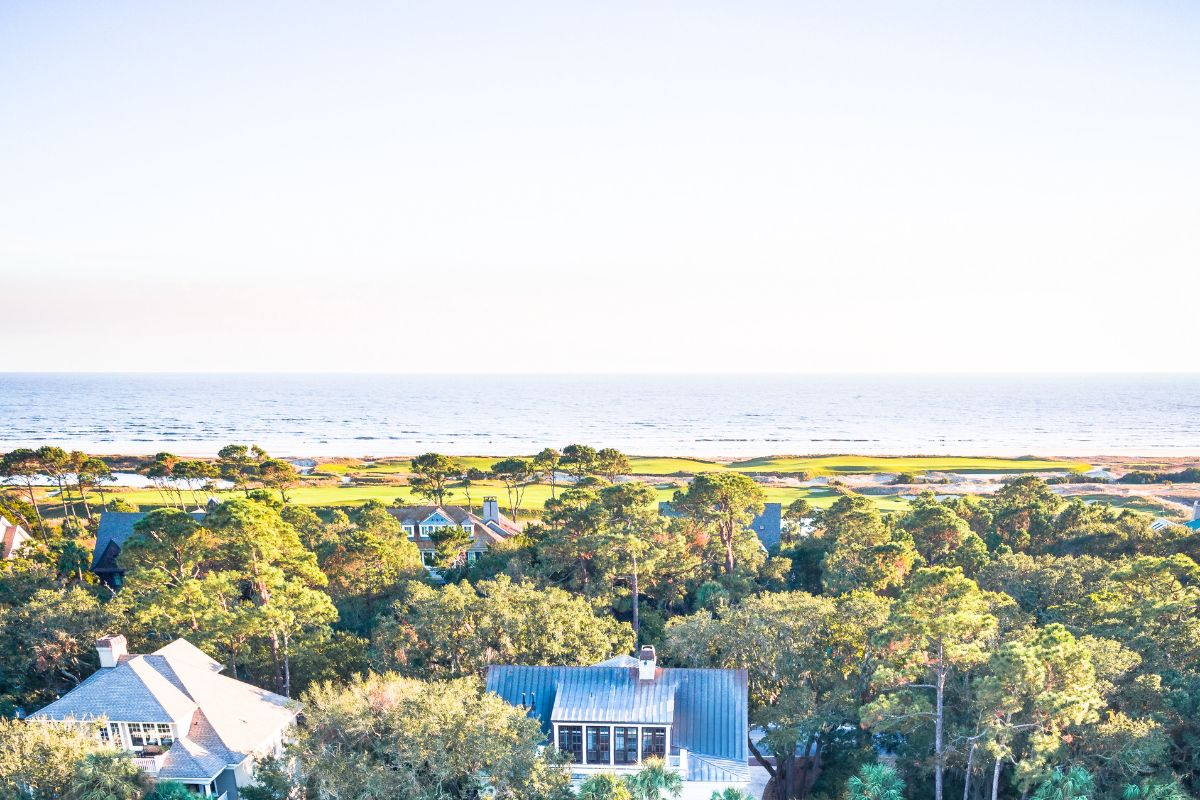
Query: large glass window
[598, 744]
[570, 741]
[145, 734]
[625, 745]
[654, 742]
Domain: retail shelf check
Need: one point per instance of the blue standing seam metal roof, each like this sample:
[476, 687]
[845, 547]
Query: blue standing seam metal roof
[616, 697]
[114, 528]
[710, 705]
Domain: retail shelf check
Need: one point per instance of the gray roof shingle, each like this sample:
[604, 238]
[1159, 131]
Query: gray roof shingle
[220, 721]
[114, 528]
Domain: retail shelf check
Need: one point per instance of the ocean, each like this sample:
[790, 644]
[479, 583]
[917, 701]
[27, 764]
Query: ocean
[714, 416]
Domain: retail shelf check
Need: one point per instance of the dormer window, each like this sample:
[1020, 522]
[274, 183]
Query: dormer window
[149, 734]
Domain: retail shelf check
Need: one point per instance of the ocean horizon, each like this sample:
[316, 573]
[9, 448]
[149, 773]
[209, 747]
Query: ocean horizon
[715, 416]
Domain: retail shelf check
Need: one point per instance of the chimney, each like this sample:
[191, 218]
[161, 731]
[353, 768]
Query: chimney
[647, 663]
[491, 509]
[1195, 510]
[110, 648]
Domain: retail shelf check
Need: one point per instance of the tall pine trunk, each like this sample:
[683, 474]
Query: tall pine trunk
[967, 778]
[636, 598]
[37, 512]
[938, 746]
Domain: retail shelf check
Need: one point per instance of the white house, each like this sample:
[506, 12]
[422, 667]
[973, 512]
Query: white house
[180, 718]
[612, 716]
[420, 522]
[12, 536]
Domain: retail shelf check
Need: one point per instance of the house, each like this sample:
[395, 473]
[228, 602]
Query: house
[768, 525]
[421, 521]
[612, 716]
[180, 718]
[12, 536]
[114, 529]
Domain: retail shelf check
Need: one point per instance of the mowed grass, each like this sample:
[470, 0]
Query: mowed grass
[767, 465]
[534, 499]
[1146, 505]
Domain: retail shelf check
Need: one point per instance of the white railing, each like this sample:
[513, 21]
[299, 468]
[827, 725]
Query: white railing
[149, 764]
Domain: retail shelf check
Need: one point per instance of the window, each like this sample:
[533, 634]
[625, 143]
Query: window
[570, 741]
[654, 742]
[598, 744]
[625, 745]
[144, 734]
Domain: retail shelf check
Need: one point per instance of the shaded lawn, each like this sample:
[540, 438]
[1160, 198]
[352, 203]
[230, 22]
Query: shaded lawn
[535, 496]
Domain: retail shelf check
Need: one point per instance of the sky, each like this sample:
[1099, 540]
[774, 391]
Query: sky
[630, 187]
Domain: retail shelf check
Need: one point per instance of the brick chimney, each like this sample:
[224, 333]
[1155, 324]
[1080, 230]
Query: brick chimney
[647, 663]
[111, 648]
[491, 509]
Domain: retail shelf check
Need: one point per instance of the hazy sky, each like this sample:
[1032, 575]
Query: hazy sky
[576, 187]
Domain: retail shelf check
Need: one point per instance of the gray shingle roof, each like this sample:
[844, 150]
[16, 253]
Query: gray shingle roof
[220, 721]
[710, 705]
[114, 528]
[133, 691]
[188, 760]
[415, 515]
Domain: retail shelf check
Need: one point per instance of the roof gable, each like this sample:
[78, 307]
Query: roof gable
[114, 528]
[132, 691]
[179, 684]
[12, 536]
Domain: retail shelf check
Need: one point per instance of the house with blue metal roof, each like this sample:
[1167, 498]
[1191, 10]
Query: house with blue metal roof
[612, 716]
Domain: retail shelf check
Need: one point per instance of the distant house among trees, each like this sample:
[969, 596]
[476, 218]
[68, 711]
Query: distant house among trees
[768, 525]
[422, 524]
[12, 536]
[114, 530]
